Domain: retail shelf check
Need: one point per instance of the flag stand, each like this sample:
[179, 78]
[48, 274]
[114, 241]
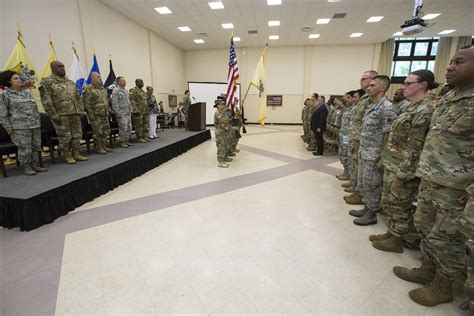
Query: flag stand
[244, 130]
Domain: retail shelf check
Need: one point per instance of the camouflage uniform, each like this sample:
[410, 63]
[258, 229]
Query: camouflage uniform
[62, 102]
[446, 168]
[400, 159]
[231, 135]
[139, 112]
[303, 119]
[237, 121]
[401, 106]
[20, 118]
[346, 121]
[354, 137]
[186, 104]
[466, 227]
[312, 137]
[121, 105]
[223, 128]
[376, 122]
[97, 107]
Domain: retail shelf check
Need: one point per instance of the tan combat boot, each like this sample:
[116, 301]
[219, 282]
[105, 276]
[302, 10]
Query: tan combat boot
[100, 148]
[76, 154]
[349, 190]
[223, 165]
[29, 170]
[438, 292]
[391, 244]
[346, 184]
[422, 275]
[105, 146]
[68, 157]
[344, 177]
[340, 175]
[380, 237]
[141, 140]
[354, 199]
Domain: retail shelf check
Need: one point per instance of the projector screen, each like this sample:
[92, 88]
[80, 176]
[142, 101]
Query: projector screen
[208, 92]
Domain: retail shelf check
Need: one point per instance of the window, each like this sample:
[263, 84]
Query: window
[411, 54]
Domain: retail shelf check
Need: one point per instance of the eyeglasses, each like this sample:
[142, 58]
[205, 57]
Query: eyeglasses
[408, 83]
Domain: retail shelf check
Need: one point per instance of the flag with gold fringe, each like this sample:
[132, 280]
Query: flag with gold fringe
[258, 81]
[52, 57]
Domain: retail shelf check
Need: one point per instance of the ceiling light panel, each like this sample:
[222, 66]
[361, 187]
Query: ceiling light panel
[274, 37]
[356, 34]
[199, 41]
[273, 2]
[184, 28]
[374, 19]
[431, 16]
[227, 25]
[163, 10]
[446, 32]
[273, 23]
[236, 39]
[216, 5]
[313, 36]
[322, 21]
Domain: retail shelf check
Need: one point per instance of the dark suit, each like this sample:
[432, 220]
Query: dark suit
[318, 121]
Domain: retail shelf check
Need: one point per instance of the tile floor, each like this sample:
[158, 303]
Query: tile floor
[269, 235]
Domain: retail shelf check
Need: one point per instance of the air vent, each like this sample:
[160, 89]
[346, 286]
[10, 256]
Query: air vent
[339, 16]
[253, 32]
[306, 29]
[201, 34]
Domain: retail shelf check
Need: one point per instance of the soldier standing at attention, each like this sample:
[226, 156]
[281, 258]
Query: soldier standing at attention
[139, 111]
[123, 110]
[313, 106]
[62, 102]
[96, 103]
[222, 129]
[304, 137]
[186, 104]
[20, 118]
[354, 136]
[446, 169]
[373, 136]
[230, 136]
[400, 160]
[344, 137]
[399, 102]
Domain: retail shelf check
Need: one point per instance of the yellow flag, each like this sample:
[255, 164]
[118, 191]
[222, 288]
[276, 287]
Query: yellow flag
[20, 61]
[258, 81]
[52, 57]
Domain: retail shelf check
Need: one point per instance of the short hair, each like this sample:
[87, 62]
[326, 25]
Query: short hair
[186, 91]
[373, 73]
[360, 92]
[351, 93]
[315, 95]
[322, 97]
[138, 80]
[385, 80]
[6, 76]
[118, 78]
[149, 87]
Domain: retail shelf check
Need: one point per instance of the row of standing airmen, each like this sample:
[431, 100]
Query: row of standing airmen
[62, 101]
[227, 123]
[414, 162]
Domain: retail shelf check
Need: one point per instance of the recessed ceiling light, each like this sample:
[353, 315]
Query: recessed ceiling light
[356, 34]
[184, 28]
[313, 36]
[216, 5]
[373, 19]
[397, 34]
[236, 39]
[199, 41]
[446, 32]
[334, 1]
[274, 37]
[431, 16]
[273, 23]
[273, 2]
[163, 10]
[228, 25]
[323, 21]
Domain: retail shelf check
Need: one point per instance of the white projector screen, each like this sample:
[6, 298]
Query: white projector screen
[208, 92]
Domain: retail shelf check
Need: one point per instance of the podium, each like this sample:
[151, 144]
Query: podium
[197, 116]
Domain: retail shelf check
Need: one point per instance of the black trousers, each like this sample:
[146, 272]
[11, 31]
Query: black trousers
[319, 142]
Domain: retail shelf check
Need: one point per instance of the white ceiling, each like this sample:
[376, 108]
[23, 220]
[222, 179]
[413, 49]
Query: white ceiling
[293, 14]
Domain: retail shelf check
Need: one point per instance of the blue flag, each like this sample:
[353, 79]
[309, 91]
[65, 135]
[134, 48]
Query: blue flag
[95, 68]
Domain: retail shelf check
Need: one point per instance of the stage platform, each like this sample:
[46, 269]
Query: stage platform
[29, 202]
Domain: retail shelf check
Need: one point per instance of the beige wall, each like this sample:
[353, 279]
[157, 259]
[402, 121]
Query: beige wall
[136, 52]
[294, 72]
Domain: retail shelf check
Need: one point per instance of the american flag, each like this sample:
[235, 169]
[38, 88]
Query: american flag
[232, 75]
